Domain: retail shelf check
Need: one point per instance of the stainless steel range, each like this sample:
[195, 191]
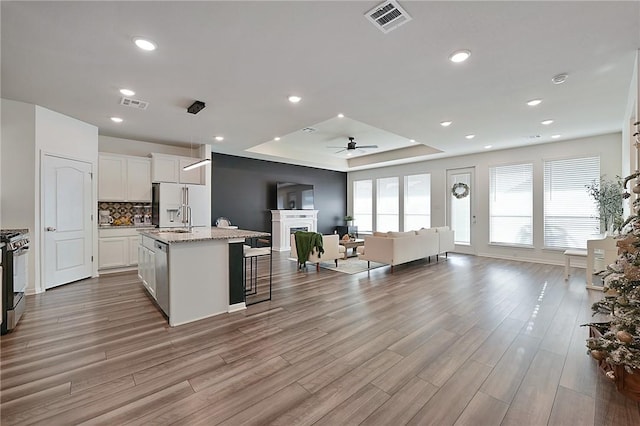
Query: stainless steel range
[14, 275]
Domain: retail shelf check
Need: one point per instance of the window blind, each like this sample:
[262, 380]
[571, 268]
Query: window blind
[363, 204]
[511, 204]
[417, 202]
[569, 212]
[387, 202]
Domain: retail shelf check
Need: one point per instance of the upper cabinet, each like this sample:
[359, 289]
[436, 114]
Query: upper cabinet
[124, 178]
[168, 168]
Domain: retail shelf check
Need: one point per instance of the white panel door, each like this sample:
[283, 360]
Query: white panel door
[462, 216]
[67, 220]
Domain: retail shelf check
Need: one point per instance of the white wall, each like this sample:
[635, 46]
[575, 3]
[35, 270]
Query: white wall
[608, 147]
[632, 115]
[29, 132]
[17, 187]
[60, 135]
[140, 148]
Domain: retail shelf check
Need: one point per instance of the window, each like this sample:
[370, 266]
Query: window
[363, 204]
[569, 213]
[417, 202]
[511, 204]
[388, 211]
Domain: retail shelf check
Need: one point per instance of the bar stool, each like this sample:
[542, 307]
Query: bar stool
[251, 256]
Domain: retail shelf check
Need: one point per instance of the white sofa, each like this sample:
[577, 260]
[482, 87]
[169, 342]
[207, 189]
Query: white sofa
[332, 250]
[446, 240]
[394, 248]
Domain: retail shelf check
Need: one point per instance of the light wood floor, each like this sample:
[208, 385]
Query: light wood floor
[467, 341]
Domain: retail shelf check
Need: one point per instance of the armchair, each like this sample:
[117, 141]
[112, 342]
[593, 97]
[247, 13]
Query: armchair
[332, 250]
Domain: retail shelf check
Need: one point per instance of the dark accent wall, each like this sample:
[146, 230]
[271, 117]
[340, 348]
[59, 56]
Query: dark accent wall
[243, 190]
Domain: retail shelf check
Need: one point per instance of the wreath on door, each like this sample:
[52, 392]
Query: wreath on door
[460, 190]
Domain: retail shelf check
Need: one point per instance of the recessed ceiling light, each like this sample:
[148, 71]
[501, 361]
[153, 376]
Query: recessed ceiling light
[340, 115]
[560, 78]
[460, 56]
[294, 99]
[546, 122]
[219, 138]
[348, 154]
[534, 102]
[145, 44]
[277, 138]
[470, 136]
[555, 136]
[488, 146]
[412, 140]
[127, 92]
[117, 119]
[446, 123]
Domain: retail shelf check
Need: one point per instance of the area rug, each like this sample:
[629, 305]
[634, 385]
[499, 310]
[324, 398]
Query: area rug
[351, 265]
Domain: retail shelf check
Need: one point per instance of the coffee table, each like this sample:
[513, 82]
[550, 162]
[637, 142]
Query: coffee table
[351, 244]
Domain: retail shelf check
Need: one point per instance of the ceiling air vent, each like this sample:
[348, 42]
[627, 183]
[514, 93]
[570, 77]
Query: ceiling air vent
[309, 130]
[134, 103]
[388, 16]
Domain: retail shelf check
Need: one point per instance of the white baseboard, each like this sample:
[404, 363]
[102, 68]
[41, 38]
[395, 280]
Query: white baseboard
[237, 307]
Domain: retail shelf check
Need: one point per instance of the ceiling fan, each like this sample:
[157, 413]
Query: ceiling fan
[351, 146]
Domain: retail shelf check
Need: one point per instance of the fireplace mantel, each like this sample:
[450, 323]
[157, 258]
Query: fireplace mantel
[283, 220]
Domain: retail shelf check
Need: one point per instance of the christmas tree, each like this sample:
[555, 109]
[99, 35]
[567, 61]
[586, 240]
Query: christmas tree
[618, 340]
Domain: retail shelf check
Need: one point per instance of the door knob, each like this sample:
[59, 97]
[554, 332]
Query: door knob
[50, 229]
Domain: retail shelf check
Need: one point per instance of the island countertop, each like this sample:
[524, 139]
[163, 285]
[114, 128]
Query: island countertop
[170, 236]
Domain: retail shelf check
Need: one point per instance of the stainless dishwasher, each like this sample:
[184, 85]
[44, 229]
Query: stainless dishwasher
[162, 275]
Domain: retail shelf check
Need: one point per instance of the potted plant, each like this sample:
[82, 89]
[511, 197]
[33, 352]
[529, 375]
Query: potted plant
[607, 194]
[348, 220]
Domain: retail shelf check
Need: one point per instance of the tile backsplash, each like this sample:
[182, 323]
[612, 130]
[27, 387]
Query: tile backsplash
[123, 213]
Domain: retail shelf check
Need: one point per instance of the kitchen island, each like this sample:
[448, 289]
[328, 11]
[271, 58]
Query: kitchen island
[188, 273]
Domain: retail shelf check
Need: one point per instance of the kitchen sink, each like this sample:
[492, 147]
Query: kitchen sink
[177, 231]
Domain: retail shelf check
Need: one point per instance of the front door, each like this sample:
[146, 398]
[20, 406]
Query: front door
[462, 219]
[67, 220]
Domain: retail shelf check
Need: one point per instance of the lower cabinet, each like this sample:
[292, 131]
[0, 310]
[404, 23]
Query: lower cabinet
[117, 249]
[113, 252]
[147, 264]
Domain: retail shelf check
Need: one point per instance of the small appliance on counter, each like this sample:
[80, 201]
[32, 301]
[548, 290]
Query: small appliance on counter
[104, 217]
[138, 218]
[14, 276]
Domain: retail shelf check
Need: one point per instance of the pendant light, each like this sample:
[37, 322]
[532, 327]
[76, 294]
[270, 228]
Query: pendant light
[195, 108]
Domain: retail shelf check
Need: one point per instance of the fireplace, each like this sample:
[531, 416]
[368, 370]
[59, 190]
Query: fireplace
[285, 222]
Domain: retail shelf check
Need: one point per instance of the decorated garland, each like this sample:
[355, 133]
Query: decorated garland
[460, 190]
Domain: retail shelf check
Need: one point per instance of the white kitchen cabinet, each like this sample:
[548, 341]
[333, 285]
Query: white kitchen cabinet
[118, 248]
[147, 265]
[113, 252]
[133, 250]
[168, 168]
[164, 168]
[112, 178]
[138, 179]
[124, 178]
